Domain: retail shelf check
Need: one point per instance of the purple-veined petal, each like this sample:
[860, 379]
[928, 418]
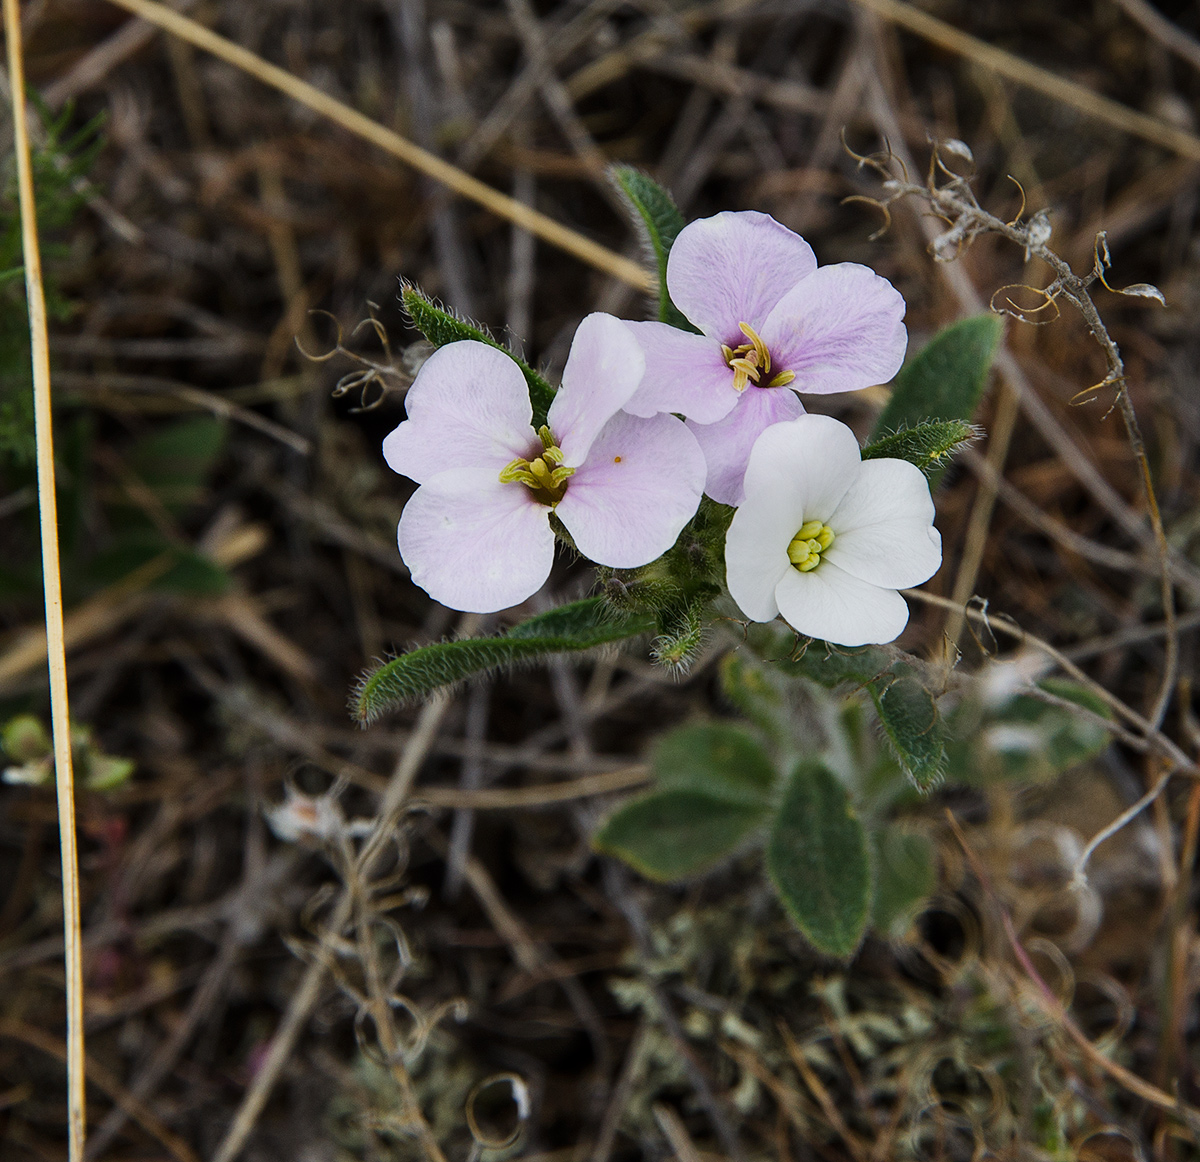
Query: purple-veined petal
[883, 527]
[475, 544]
[639, 486]
[684, 373]
[828, 603]
[727, 443]
[733, 268]
[468, 408]
[841, 329]
[603, 371]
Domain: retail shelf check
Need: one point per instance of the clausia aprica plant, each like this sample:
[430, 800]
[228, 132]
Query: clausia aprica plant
[678, 458]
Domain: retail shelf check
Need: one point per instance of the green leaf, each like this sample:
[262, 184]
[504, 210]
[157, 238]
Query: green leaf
[583, 625]
[818, 860]
[716, 758]
[658, 222]
[671, 834]
[441, 327]
[904, 879]
[926, 445]
[946, 377]
[912, 725]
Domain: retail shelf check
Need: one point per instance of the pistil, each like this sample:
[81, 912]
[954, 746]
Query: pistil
[808, 544]
[545, 475]
[751, 362]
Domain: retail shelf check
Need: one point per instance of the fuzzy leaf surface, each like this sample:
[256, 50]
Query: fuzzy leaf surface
[674, 833]
[927, 445]
[441, 327]
[716, 758]
[818, 860]
[582, 625]
[946, 378]
[658, 221]
[913, 727]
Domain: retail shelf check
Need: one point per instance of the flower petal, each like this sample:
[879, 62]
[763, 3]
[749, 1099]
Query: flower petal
[733, 268]
[756, 555]
[727, 443]
[809, 464]
[883, 527]
[841, 329]
[468, 407]
[684, 373]
[603, 370]
[639, 486]
[475, 544]
[830, 604]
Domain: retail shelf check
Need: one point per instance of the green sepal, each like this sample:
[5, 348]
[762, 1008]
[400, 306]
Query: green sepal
[819, 862]
[658, 222]
[441, 327]
[926, 445]
[582, 625]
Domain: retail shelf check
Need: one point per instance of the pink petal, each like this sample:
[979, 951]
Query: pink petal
[841, 329]
[803, 468]
[640, 485]
[475, 544]
[727, 443]
[468, 407]
[883, 527]
[832, 605]
[603, 371]
[684, 373]
[733, 268]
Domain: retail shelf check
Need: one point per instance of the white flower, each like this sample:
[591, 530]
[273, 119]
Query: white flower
[825, 538]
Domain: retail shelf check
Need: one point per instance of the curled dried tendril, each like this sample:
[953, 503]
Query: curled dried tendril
[1003, 304]
[374, 379]
[510, 1113]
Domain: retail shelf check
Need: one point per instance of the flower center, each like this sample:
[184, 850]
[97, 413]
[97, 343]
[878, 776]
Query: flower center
[808, 544]
[751, 362]
[545, 475]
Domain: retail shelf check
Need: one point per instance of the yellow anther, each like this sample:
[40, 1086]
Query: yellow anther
[782, 378]
[760, 348]
[751, 362]
[545, 476]
[806, 547]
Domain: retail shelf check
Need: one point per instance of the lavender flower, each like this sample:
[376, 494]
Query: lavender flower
[477, 534]
[770, 320]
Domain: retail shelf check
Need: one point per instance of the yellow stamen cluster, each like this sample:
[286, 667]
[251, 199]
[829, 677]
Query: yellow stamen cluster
[808, 544]
[751, 362]
[545, 475]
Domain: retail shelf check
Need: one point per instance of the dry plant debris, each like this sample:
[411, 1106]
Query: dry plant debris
[310, 942]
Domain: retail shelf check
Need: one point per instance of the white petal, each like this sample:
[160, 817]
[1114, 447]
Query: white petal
[807, 464]
[756, 556]
[883, 527]
[468, 407]
[475, 544]
[603, 370]
[831, 605]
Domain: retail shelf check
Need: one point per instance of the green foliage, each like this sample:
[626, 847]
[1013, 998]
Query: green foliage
[658, 222]
[946, 378]
[905, 877]
[441, 327]
[927, 445]
[583, 625]
[175, 461]
[713, 787]
[818, 860]
[912, 725]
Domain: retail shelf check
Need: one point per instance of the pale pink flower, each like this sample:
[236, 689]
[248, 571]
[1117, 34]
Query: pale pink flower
[476, 535]
[826, 538]
[773, 323]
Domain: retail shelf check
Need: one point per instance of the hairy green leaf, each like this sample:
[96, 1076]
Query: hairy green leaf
[927, 445]
[674, 833]
[658, 222]
[716, 758]
[441, 327]
[912, 725]
[946, 377]
[904, 878]
[818, 860]
[583, 625]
